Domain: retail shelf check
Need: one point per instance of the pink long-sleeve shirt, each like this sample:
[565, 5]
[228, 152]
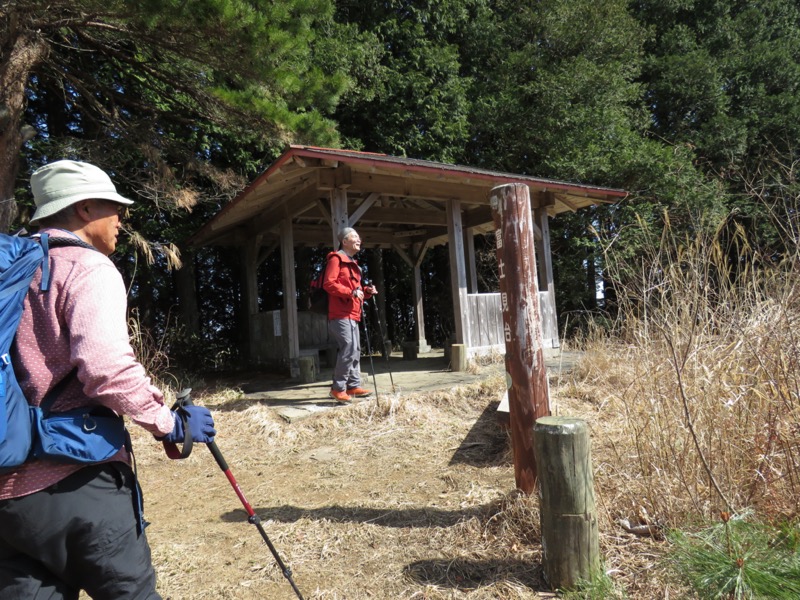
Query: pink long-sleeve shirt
[80, 322]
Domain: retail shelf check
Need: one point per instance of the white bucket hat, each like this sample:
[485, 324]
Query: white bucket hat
[65, 182]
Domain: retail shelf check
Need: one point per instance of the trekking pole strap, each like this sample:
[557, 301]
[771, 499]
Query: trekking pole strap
[171, 448]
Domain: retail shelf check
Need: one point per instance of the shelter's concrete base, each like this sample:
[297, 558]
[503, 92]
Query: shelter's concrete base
[293, 400]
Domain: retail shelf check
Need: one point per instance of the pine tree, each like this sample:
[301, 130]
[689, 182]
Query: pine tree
[147, 88]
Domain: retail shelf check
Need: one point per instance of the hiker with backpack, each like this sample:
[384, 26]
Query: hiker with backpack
[69, 524]
[346, 296]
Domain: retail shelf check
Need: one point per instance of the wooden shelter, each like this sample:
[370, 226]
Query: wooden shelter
[309, 194]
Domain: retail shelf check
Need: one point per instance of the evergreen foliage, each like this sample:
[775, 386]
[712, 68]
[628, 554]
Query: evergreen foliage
[739, 559]
[412, 101]
[166, 85]
[182, 102]
[691, 105]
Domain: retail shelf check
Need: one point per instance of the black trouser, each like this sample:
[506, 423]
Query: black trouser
[79, 534]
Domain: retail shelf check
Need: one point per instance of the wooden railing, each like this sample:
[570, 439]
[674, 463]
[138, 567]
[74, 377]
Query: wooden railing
[485, 322]
[312, 329]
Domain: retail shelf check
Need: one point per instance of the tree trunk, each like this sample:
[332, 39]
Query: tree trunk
[25, 51]
[185, 282]
[591, 281]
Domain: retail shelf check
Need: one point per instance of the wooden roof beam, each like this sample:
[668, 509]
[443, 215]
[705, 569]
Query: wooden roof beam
[389, 185]
[378, 214]
[331, 179]
[291, 206]
[370, 236]
[570, 205]
[362, 208]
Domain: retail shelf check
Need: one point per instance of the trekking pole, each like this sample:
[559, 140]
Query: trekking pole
[184, 399]
[383, 338]
[369, 350]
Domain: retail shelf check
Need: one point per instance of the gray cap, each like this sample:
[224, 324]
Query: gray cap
[65, 182]
[343, 233]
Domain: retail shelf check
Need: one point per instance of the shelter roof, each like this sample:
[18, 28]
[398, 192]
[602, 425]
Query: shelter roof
[396, 201]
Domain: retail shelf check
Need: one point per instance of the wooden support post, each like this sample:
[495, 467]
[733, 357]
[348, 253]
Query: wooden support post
[422, 342]
[418, 251]
[528, 395]
[339, 218]
[458, 272]
[291, 339]
[249, 252]
[568, 516]
[472, 267]
[545, 262]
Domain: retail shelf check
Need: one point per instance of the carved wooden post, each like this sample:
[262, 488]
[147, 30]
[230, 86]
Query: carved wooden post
[528, 394]
[569, 520]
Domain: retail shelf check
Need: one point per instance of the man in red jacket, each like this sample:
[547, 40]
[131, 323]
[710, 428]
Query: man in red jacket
[345, 298]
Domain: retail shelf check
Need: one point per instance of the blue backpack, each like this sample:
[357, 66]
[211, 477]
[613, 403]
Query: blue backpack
[83, 435]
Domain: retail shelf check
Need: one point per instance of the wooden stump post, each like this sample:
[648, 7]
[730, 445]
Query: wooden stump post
[410, 350]
[569, 520]
[308, 371]
[528, 393]
[458, 357]
[330, 356]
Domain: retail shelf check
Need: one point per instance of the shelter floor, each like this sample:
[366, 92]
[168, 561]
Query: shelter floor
[293, 400]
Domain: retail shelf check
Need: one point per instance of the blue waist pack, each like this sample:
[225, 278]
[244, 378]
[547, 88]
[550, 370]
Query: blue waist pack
[84, 435]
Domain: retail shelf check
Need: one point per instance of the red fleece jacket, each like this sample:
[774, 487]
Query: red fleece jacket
[342, 277]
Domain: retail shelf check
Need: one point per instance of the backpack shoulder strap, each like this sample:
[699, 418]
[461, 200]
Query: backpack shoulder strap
[54, 392]
[63, 242]
[44, 241]
[48, 242]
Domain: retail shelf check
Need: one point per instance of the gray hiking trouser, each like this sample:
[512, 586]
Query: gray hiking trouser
[347, 372]
[78, 534]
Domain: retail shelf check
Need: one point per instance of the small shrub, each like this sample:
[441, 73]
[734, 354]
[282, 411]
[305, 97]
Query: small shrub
[599, 587]
[736, 559]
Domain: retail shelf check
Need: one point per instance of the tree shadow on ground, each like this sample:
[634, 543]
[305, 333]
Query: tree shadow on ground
[466, 575]
[460, 574]
[412, 517]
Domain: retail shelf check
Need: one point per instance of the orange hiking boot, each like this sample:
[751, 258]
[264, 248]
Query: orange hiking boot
[340, 396]
[358, 392]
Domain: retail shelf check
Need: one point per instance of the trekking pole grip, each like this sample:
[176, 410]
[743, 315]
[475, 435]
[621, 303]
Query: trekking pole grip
[184, 398]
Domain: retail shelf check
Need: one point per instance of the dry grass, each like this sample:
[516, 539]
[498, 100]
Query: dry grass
[705, 383]
[412, 498]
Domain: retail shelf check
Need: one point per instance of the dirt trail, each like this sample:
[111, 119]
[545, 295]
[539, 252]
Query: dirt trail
[385, 500]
